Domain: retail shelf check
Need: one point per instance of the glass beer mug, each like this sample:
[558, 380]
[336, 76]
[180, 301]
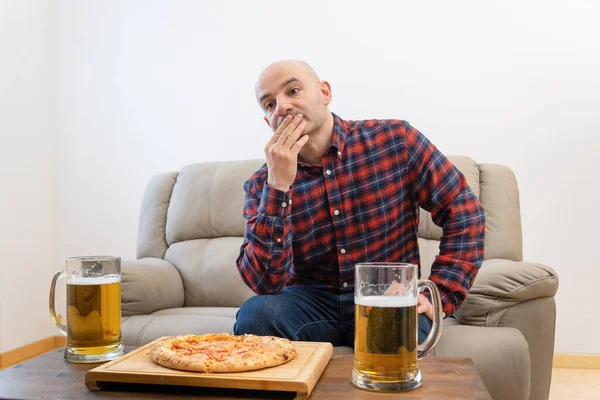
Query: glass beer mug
[93, 324]
[386, 346]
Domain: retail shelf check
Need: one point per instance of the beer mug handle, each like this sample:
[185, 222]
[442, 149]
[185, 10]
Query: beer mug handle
[436, 329]
[57, 317]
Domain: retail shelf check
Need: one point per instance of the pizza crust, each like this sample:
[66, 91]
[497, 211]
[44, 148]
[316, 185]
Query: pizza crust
[222, 352]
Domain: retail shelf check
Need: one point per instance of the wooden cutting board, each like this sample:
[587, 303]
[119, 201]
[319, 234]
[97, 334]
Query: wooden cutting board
[299, 375]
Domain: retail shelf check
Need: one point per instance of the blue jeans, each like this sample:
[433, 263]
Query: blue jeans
[307, 314]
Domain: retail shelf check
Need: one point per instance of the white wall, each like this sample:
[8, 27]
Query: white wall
[147, 87]
[27, 247]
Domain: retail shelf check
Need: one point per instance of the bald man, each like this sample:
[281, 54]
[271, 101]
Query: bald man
[334, 193]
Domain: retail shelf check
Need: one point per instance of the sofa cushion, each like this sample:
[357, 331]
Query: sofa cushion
[208, 199]
[141, 329]
[208, 271]
[428, 250]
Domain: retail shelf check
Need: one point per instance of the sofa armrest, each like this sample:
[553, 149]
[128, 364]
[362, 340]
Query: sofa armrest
[148, 285]
[501, 284]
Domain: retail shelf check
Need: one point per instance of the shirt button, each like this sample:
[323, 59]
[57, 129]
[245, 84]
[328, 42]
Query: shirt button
[284, 204]
[336, 212]
[345, 284]
[328, 172]
[278, 240]
[343, 251]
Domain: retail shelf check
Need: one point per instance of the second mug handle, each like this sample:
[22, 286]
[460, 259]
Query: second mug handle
[436, 329]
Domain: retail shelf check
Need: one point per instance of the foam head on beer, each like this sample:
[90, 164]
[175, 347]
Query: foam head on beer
[386, 301]
[90, 280]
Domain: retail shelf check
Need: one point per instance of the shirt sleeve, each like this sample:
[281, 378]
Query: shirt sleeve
[441, 189]
[266, 253]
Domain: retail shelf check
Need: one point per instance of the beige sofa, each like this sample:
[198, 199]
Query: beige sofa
[185, 279]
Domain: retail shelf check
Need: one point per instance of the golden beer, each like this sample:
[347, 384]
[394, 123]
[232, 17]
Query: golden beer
[93, 315]
[385, 342]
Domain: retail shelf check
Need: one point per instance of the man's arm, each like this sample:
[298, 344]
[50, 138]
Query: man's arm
[266, 253]
[442, 190]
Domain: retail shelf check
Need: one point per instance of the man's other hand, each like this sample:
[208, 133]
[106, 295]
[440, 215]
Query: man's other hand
[424, 306]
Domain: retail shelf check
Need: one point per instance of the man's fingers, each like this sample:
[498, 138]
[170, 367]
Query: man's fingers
[279, 130]
[295, 135]
[287, 131]
[286, 122]
[395, 289]
[299, 144]
[422, 304]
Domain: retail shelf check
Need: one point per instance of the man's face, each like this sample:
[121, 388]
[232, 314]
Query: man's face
[284, 89]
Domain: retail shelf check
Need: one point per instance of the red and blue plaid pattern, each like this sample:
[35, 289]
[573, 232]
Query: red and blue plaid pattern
[362, 205]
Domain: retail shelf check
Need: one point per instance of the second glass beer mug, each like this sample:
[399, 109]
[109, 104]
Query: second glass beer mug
[386, 346]
[93, 324]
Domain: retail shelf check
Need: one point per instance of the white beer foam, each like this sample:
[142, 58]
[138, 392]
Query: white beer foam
[386, 301]
[85, 280]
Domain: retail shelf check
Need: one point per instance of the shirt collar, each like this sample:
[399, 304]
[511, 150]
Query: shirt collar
[338, 139]
[340, 129]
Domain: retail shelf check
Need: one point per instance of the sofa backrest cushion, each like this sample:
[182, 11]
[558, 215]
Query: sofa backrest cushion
[208, 200]
[500, 199]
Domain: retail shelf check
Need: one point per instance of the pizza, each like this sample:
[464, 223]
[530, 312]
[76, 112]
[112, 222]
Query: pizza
[222, 352]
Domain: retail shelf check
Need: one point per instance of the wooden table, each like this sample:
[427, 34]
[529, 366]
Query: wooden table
[49, 376]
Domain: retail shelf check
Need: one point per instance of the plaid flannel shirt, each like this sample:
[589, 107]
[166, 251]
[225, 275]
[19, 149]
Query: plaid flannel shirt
[362, 205]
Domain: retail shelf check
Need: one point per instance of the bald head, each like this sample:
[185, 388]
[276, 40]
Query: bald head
[299, 67]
